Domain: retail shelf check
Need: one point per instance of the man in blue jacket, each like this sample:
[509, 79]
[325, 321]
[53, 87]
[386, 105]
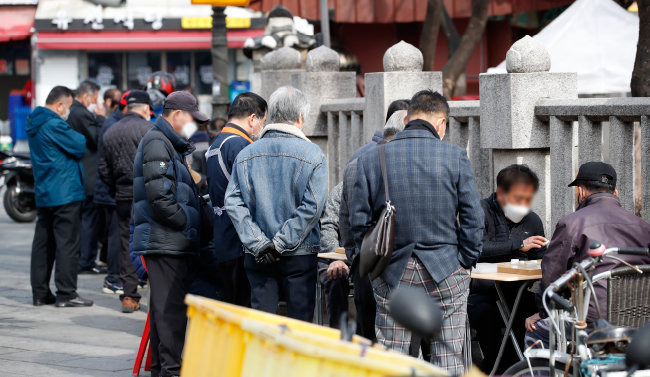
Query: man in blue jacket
[166, 215]
[275, 198]
[438, 224]
[245, 121]
[56, 151]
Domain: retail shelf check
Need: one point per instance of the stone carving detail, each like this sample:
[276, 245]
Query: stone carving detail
[281, 59]
[322, 59]
[527, 55]
[403, 57]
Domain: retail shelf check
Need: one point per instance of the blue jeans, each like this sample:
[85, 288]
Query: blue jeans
[294, 277]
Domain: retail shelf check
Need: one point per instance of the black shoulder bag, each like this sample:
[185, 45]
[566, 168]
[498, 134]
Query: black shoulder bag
[377, 245]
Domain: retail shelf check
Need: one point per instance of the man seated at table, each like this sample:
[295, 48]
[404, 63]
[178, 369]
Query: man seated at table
[599, 217]
[512, 230]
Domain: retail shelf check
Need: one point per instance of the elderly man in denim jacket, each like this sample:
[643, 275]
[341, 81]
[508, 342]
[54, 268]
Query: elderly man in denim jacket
[275, 198]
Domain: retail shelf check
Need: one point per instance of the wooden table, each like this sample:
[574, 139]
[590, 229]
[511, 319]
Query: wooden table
[508, 315]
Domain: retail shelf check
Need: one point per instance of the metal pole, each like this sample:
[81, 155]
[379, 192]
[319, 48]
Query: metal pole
[325, 23]
[220, 98]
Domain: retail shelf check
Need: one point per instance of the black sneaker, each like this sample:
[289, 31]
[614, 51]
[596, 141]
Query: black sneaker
[74, 302]
[47, 300]
[93, 271]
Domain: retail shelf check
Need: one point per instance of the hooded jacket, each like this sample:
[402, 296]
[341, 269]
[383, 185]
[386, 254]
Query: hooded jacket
[166, 207]
[56, 151]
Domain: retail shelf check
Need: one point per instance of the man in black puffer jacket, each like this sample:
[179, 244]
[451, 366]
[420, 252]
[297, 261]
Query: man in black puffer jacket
[119, 145]
[166, 215]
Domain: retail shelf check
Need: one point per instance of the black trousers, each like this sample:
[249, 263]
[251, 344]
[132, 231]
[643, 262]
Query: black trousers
[112, 243]
[484, 317]
[56, 238]
[169, 279]
[336, 294]
[295, 276]
[127, 270]
[234, 283]
[90, 217]
[364, 301]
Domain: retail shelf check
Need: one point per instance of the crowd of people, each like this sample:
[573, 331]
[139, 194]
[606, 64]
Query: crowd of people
[133, 191]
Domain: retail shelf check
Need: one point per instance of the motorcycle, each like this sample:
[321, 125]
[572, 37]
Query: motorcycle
[16, 174]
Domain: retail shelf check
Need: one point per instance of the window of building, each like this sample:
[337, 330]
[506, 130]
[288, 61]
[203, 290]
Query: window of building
[179, 64]
[203, 72]
[140, 66]
[106, 69]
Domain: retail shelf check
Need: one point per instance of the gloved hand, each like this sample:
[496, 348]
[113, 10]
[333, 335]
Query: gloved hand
[268, 255]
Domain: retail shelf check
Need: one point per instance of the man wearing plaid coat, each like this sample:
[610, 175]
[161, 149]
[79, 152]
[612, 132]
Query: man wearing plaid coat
[438, 224]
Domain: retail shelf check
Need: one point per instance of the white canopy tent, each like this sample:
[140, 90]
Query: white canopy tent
[597, 39]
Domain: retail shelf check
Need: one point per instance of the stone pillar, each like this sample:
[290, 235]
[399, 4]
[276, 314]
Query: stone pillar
[322, 80]
[508, 123]
[401, 79]
[278, 67]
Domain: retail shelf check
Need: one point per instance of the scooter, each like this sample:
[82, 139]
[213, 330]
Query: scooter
[17, 175]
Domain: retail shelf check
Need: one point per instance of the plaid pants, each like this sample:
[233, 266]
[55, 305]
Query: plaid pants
[450, 293]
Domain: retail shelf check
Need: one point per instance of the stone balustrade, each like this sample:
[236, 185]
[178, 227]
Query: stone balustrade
[464, 130]
[527, 115]
[344, 133]
[605, 131]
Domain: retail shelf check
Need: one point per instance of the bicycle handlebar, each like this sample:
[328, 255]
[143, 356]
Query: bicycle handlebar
[561, 301]
[641, 251]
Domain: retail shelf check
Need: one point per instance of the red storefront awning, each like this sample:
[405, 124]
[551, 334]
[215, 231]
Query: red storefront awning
[16, 23]
[139, 40]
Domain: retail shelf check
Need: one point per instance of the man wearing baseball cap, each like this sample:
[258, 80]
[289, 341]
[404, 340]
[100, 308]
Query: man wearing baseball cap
[598, 217]
[115, 166]
[166, 215]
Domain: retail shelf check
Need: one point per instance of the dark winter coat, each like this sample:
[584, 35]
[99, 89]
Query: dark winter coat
[599, 217]
[89, 125]
[438, 216]
[166, 207]
[227, 243]
[56, 151]
[503, 239]
[102, 195]
[119, 146]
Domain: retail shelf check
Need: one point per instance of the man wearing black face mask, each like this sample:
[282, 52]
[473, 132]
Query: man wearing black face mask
[511, 231]
[599, 217]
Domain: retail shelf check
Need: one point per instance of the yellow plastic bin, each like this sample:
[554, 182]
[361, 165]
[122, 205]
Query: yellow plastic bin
[232, 341]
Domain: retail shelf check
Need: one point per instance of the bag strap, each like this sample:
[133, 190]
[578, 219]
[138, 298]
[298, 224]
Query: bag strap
[382, 163]
[217, 151]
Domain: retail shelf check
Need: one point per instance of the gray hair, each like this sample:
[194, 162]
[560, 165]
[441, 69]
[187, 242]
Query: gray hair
[133, 107]
[395, 124]
[286, 105]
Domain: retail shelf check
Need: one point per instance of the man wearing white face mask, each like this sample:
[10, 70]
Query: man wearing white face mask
[87, 118]
[166, 215]
[119, 145]
[511, 231]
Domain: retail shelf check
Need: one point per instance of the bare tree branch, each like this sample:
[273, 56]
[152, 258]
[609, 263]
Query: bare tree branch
[430, 29]
[456, 64]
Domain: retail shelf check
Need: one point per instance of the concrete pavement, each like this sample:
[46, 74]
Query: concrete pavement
[49, 341]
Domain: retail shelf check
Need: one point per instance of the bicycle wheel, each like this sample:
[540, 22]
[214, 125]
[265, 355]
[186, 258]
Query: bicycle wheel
[540, 368]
